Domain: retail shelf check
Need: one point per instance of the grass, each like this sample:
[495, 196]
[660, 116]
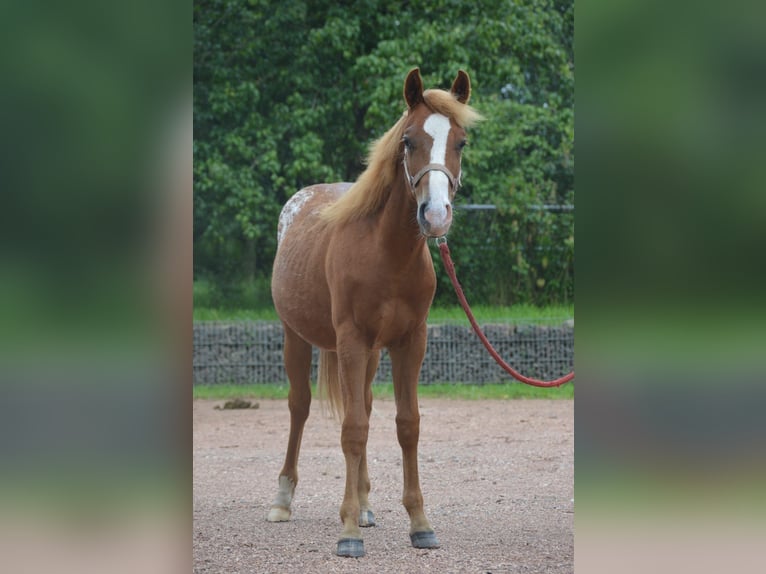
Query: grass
[208, 314]
[500, 391]
[514, 314]
[252, 302]
[484, 314]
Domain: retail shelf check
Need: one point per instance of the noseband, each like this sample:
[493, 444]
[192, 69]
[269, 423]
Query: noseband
[454, 182]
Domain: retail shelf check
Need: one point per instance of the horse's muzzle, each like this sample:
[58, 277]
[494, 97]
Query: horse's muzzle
[434, 220]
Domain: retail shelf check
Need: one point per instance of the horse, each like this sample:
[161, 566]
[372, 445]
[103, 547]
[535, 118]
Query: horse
[353, 275]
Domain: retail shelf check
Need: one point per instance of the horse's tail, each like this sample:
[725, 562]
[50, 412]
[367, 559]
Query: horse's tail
[328, 383]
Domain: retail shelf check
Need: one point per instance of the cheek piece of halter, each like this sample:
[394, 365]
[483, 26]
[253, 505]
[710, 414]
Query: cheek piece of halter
[454, 183]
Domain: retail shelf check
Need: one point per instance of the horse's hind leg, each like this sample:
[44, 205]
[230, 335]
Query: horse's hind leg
[366, 516]
[297, 355]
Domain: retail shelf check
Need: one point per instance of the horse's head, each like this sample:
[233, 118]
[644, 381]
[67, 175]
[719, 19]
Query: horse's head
[432, 147]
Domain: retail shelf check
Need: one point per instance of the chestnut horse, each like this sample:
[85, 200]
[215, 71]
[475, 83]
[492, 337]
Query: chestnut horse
[353, 275]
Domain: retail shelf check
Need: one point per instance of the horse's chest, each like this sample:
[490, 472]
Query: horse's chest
[384, 299]
[393, 320]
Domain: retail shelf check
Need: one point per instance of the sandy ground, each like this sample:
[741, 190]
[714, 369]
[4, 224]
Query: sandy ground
[497, 478]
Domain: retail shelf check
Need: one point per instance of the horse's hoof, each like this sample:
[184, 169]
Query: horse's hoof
[278, 514]
[366, 518]
[425, 539]
[351, 547]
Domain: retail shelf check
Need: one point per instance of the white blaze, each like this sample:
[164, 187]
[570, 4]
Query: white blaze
[437, 126]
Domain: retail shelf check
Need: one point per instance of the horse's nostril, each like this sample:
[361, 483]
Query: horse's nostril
[422, 211]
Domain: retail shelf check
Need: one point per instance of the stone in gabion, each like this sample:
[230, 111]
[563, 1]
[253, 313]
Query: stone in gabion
[250, 352]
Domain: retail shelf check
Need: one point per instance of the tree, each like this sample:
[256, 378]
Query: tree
[291, 93]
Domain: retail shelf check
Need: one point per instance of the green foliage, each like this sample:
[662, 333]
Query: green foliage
[291, 93]
[244, 299]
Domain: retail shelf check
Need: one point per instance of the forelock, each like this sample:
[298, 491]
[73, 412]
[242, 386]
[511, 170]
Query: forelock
[445, 103]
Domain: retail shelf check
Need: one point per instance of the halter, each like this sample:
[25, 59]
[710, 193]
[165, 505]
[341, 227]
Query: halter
[454, 182]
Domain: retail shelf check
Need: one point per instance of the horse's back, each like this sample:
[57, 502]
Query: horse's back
[298, 285]
[303, 208]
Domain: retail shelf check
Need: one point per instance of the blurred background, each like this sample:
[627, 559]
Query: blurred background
[670, 433]
[95, 286]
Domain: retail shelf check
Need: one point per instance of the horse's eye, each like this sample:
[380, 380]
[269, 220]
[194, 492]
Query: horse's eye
[461, 144]
[407, 143]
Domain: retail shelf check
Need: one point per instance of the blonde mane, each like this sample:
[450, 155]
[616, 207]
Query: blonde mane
[368, 194]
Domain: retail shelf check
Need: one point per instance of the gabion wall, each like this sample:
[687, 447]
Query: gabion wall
[248, 352]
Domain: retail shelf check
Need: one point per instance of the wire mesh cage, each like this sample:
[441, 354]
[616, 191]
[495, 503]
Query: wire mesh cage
[250, 352]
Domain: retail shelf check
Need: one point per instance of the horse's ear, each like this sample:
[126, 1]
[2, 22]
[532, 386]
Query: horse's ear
[413, 88]
[461, 87]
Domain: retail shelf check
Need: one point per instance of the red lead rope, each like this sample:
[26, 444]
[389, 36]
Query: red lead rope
[450, 267]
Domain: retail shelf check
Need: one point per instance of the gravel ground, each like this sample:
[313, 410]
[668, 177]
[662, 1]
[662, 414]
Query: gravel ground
[497, 478]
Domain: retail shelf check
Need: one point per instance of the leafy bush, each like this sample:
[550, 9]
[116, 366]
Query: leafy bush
[290, 93]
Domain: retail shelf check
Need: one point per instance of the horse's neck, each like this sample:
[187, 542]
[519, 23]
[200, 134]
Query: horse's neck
[398, 228]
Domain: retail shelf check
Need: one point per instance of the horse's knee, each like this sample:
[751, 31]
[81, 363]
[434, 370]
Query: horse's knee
[408, 429]
[353, 437]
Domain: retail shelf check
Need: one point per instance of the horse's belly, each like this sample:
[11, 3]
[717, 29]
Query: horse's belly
[303, 305]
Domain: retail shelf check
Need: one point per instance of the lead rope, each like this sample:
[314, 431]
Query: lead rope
[450, 268]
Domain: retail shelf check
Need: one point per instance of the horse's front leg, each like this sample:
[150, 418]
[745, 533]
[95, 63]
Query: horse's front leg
[353, 359]
[406, 360]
